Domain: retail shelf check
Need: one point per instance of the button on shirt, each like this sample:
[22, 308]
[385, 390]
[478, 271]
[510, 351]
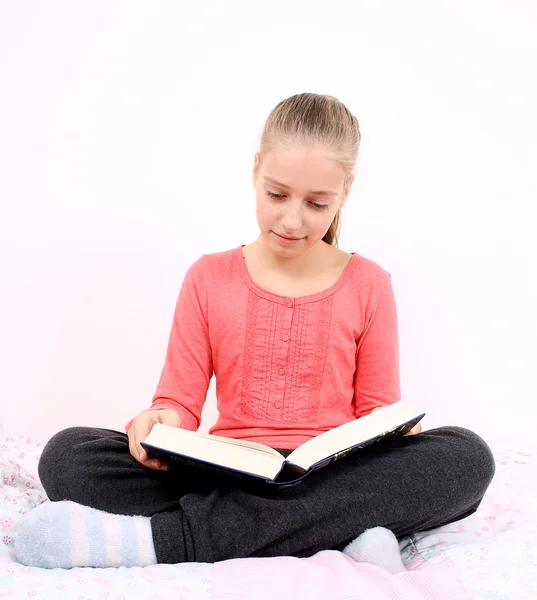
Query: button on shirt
[286, 368]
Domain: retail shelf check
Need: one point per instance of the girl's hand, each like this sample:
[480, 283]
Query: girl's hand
[416, 429]
[140, 428]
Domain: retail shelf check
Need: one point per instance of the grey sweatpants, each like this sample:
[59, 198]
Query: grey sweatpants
[407, 484]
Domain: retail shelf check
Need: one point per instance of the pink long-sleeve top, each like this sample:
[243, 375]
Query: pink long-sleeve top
[286, 368]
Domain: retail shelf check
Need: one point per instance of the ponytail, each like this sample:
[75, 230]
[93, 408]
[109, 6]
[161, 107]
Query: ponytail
[331, 236]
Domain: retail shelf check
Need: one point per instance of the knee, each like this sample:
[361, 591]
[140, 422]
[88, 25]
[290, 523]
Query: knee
[473, 454]
[58, 461]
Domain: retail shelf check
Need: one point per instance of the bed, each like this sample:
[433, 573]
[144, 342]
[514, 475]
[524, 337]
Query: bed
[489, 555]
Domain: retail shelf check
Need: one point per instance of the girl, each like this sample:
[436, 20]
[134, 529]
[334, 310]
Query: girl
[302, 337]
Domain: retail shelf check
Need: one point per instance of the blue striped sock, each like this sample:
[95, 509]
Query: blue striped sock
[65, 535]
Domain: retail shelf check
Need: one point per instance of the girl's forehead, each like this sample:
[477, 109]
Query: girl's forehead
[292, 165]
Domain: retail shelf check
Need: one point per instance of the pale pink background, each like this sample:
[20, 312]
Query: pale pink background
[127, 139]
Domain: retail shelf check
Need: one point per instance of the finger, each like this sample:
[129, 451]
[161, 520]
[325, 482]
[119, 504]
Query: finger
[140, 433]
[156, 465]
[153, 463]
[145, 459]
[132, 445]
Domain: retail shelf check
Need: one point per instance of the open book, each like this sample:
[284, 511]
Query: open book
[254, 460]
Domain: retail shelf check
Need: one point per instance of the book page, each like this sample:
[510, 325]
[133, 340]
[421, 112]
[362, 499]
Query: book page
[223, 439]
[242, 455]
[352, 433]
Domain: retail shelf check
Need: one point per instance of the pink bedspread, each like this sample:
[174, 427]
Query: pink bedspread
[329, 575]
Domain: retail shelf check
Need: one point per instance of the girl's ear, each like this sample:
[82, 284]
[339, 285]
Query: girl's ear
[349, 184]
[256, 167]
[347, 190]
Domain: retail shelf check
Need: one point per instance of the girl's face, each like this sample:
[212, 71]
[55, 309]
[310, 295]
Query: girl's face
[292, 213]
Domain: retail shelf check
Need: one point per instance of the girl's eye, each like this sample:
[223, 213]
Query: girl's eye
[314, 204]
[273, 195]
[319, 206]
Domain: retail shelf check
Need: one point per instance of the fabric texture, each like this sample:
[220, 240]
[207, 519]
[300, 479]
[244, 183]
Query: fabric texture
[287, 369]
[406, 484]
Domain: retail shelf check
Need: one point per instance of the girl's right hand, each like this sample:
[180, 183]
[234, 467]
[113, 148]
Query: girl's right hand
[139, 430]
[416, 429]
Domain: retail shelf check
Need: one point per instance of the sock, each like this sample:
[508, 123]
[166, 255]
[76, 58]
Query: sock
[378, 546]
[65, 535]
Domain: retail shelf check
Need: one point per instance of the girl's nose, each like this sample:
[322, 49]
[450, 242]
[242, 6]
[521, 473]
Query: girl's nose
[292, 220]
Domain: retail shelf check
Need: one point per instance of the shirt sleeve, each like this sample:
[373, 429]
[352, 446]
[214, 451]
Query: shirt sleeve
[188, 366]
[377, 380]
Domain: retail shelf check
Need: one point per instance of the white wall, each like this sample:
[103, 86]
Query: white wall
[127, 136]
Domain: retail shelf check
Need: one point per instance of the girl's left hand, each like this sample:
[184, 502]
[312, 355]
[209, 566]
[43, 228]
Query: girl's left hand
[416, 429]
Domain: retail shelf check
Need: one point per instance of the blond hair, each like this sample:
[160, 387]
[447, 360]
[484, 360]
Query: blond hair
[305, 119]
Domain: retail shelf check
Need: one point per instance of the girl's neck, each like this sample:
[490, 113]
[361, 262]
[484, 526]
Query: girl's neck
[315, 272]
[303, 264]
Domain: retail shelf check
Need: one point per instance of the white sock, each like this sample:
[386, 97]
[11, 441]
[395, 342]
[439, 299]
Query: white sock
[378, 546]
[65, 535]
